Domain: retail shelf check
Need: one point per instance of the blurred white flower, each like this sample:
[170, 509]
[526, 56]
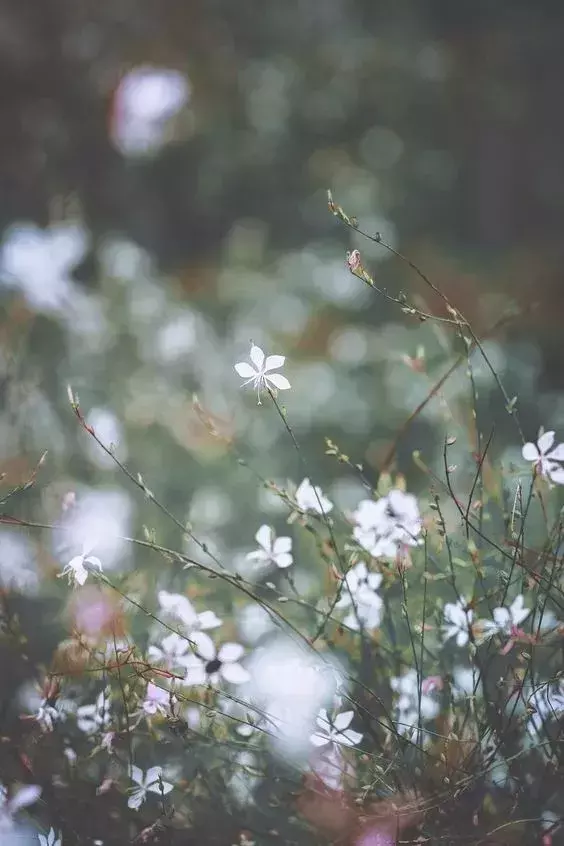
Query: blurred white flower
[506, 619]
[179, 606]
[211, 665]
[157, 700]
[335, 731]
[151, 781]
[310, 498]
[272, 549]
[23, 796]
[146, 99]
[50, 839]
[259, 371]
[17, 562]
[382, 526]
[103, 514]
[545, 456]
[93, 718]
[332, 767]
[39, 263]
[458, 619]
[76, 570]
[412, 706]
[359, 589]
[545, 703]
[173, 651]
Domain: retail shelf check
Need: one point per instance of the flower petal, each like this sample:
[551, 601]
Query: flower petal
[350, 738]
[264, 537]
[319, 739]
[545, 441]
[530, 452]
[273, 362]
[235, 673]
[25, 796]
[204, 645]
[245, 370]
[136, 799]
[136, 774]
[209, 620]
[557, 475]
[343, 720]
[281, 545]
[557, 454]
[153, 774]
[283, 560]
[278, 381]
[257, 357]
[231, 652]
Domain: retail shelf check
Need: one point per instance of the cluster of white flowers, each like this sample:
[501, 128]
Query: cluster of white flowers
[359, 594]
[383, 527]
[459, 621]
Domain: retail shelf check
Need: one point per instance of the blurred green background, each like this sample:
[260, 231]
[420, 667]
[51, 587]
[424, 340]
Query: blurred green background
[175, 157]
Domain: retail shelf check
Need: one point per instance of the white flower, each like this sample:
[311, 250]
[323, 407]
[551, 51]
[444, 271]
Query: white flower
[210, 665]
[76, 570]
[309, 498]
[47, 715]
[173, 651]
[506, 619]
[93, 718]
[22, 798]
[332, 767]
[40, 262]
[359, 589]
[50, 839]
[546, 702]
[366, 614]
[384, 525]
[180, 607]
[272, 549]
[157, 700]
[259, 371]
[150, 782]
[335, 731]
[545, 457]
[411, 707]
[458, 620]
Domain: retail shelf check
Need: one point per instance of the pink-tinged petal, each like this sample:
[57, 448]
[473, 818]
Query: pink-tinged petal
[283, 560]
[278, 381]
[136, 799]
[204, 645]
[343, 720]
[235, 673]
[257, 357]
[557, 475]
[319, 739]
[264, 537]
[545, 441]
[153, 774]
[530, 452]
[557, 454]
[273, 362]
[245, 370]
[25, 796]
[231, 652]
[501, 617]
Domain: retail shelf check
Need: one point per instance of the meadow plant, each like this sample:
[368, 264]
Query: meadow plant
[415, 696]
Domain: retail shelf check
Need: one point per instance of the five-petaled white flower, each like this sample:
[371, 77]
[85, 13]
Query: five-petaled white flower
[179, 606]
[211, 665]
[151, 781]
[335, 731]
[272, 549]
[546, 457]
[458, 619]
[506, 619]
[259, 371]
[50, 839]
[310, 498]
[76, 570]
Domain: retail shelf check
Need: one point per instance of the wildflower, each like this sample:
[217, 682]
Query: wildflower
[458, 619]
[22, 798]
[359, 590]
[157, 700]
[335, 731]
[151, 781]
[50, 839]
[210, 665]
[172, 652]
[46, 716]
[545, 456]
[506, 620]
[272, 549]
[93, 718]
[383, 526]
[310, 498]
[259, 371]
[76, 570]
[412, 706]
[181, 608]
[545, 703]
